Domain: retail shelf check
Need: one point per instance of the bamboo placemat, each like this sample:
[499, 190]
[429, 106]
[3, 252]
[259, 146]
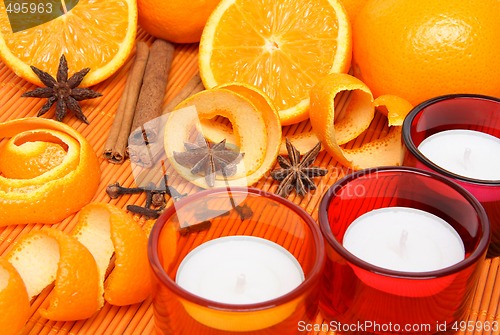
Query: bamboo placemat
[138, 319]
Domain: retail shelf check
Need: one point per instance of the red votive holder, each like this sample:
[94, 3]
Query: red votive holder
[360, 296]
[214, 258]
[459, 112]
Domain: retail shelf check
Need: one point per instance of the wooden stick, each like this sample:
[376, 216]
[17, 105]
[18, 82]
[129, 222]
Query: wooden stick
[146, 154]
[115, 147]
[145, 126]
[193, 86]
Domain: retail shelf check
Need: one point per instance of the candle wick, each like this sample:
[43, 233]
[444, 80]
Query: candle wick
[241, 282]
[402, 241]
[467, 158]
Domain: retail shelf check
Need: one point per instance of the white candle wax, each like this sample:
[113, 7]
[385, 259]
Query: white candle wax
[467, 153]
[404, 239]
[239, 270]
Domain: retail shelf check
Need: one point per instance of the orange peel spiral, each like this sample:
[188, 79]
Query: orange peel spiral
[255, 128]
[42, 257]
[14, 302]
[77, 264]
[48, 171]
[106, 230]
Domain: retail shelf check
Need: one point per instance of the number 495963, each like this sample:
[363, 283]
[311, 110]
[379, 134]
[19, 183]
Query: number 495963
[28, 8]
[471, 325]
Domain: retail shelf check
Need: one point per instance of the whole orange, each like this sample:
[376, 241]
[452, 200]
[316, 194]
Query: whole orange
[421, 49]
[177, 21]
[353, 7]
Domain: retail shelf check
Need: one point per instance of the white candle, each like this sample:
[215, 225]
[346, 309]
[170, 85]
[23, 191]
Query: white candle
[404, 239]
[467, 153]
[239, 270]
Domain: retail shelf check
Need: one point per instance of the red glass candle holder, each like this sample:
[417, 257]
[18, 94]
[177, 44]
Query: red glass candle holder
[450, 112]
[360, 298]
[220, 213]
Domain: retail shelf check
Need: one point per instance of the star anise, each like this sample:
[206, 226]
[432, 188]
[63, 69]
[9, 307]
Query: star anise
[207, 158]
[297, 173]
[63, 91]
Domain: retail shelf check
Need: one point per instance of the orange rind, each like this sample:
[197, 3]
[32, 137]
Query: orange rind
[254, 128]
[105, 231]
[51, 256]
[77, 265]
[14, 302]
[48, 171]
[394, 107]
[333, 130]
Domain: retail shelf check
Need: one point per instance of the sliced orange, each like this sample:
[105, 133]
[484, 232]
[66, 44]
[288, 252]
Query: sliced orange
[51, 192]
[255, 129]
[281, 47]
[106, 230]
[356, 117]
[14, 302]
[42, 257]
[96, 34]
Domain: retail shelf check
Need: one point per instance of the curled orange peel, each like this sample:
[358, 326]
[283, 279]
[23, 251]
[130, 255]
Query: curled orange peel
[333, 131]
[14, 302]
[77, 264]
[105, 231]
[49, 255]
[34, 191]
[254, 128]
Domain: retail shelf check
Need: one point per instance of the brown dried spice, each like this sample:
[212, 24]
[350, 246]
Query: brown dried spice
[296, 172]
[208, 158]
[64, 91]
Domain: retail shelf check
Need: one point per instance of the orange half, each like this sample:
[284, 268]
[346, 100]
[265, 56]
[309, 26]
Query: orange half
[282, 48]
[95, 34]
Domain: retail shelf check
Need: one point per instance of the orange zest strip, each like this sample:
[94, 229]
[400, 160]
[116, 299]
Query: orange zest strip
[42, 257]
[29, 186]
[14, 302]
[106, 230]
[255, 129]
[334, 131]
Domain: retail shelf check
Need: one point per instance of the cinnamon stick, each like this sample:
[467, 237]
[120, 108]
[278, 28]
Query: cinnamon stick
[145, 126]
[116, 144]
[146, 154]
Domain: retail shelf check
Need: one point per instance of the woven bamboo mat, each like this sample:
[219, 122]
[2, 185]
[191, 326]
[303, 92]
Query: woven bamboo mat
[138, 319]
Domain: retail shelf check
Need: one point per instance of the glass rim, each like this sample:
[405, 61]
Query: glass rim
[325, 228]
[408, 141]
[309, 280]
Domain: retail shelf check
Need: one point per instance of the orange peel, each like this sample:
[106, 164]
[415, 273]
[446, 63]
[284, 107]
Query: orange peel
[106, 230]
[356, 117]
[33, 190]
[255, 129]
[14, 302]
[42, 257]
